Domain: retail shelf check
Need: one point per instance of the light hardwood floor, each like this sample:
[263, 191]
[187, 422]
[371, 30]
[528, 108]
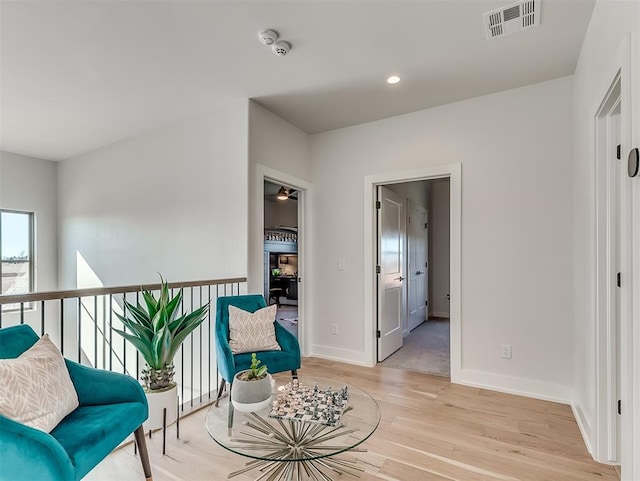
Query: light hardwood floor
[431, 430]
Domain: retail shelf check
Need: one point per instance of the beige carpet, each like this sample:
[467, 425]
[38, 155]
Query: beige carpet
[426, 349]
[288, 317]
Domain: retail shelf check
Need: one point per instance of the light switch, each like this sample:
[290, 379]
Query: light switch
[341, 264]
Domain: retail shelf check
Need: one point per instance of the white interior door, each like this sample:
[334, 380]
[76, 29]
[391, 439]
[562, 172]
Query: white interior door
[391, 297]
[417, 247]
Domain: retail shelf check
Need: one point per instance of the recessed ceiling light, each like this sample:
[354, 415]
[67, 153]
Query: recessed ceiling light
[394, 79]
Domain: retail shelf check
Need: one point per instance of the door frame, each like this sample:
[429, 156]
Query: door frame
[609, 239]
[303, 187]
[625, 67]
[454, 173]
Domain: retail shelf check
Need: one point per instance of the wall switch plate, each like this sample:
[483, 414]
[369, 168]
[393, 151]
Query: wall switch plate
[505, 351]
[342, 264]
[334, 328]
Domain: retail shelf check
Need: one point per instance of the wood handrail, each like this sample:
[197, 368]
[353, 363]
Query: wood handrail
[101, 291]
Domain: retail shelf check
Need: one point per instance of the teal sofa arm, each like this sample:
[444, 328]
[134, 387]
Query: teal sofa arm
[95, 386]
[29, 453]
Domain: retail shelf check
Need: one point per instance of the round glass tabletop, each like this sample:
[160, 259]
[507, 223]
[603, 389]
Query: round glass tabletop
[317, 418]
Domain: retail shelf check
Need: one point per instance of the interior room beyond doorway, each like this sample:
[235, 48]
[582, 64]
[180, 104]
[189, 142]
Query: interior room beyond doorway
[426, 285]
[281, 252]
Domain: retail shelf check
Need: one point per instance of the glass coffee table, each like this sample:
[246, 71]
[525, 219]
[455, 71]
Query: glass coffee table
[302, 433]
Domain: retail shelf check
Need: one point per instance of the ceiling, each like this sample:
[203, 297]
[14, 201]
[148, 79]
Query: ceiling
[77, 75]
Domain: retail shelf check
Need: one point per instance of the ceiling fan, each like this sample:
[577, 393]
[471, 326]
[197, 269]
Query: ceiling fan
[284, 194]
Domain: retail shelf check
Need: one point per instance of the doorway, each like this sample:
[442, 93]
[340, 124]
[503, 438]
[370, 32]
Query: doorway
[281, 252]
[370, 306]
[423, 234]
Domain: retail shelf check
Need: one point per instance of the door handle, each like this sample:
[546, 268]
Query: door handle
[399, 279]
[419, 273]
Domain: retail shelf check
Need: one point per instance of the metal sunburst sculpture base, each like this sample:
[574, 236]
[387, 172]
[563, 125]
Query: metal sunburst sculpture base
[295, 440]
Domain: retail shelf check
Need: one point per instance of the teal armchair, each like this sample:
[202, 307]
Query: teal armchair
[112, 406]
[229, 364]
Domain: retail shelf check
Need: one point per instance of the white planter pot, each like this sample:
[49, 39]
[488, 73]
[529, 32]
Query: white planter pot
[251, 396]
[158, 401]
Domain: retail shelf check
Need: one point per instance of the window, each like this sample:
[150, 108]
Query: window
[16, 252]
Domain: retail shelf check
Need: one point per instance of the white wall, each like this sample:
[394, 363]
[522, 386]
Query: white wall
[417, 192]
[610, 24]
[439, 252]
[280, 213]
[515, 149]
[30, 184]
[278, 145]
[173, 201]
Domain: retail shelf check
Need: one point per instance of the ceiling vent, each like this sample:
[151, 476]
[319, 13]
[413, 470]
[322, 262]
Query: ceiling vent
[511, 19]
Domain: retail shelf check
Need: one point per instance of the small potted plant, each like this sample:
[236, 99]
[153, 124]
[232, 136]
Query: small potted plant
[251, 389]
[157, 332]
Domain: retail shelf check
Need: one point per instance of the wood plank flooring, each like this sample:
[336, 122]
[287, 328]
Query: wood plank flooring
[430, 430]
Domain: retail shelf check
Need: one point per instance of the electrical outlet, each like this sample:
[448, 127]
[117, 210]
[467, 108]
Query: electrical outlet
[448, 297]
[334, 328]
[505, 351]
[342, 264]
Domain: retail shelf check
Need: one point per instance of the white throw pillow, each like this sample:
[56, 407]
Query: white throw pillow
[252, 331]
[35, 388]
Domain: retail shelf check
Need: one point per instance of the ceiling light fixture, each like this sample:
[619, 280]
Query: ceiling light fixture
[394, 79]
[282, 194]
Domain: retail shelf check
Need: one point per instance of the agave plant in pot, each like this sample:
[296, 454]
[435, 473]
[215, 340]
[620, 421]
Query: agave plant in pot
[251, 388]
[157, 331]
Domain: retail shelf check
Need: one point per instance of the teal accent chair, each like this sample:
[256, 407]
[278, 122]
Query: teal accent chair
[229, 364]
[112, 406]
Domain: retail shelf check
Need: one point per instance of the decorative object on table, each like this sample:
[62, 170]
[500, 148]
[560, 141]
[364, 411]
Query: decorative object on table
[296, 402]
[157, 332]
[251, 389]
[109, 407]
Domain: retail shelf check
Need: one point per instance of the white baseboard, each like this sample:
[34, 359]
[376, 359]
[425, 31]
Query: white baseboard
[440, 314]
[583, 426]
[516, 385]
[338, 354]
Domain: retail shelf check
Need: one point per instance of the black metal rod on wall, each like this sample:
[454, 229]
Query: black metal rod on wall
[42, 318]
[95, 331]
[79, 317]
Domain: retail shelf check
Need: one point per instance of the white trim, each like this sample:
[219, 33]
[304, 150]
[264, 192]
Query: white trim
[454, 173]
[520, 386]
[607, 234]
[338, 354]
[440, 314]
[304, 207]
[583, 426]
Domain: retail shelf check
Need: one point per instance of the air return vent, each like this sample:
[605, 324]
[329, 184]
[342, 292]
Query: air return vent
[512, 18]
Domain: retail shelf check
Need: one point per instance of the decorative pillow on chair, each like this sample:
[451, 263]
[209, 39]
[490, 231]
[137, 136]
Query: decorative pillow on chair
[252, 331]
[35, 388]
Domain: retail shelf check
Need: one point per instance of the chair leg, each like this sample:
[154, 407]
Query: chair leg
[220, 389]
[144, 454]
[294, 373]
[230, 413]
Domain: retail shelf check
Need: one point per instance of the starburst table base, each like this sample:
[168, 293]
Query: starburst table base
[296, 450]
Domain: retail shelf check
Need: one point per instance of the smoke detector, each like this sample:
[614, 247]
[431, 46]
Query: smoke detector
[281, 48]
[268, 37]
[512, 18]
